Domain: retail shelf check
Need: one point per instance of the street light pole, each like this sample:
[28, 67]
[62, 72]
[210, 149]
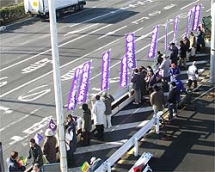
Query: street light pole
[57, 86]
[212, 58]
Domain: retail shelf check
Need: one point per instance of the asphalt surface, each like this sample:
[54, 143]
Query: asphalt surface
[27, 95]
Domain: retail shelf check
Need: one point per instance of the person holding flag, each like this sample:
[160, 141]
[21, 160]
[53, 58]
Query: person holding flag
[35, 152]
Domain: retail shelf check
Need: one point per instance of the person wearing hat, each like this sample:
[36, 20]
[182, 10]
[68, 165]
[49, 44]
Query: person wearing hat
[50, 146]
[172, 100]
[164, 72]
[94, 164]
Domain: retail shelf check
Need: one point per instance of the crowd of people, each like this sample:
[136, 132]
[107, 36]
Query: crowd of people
[145, 82]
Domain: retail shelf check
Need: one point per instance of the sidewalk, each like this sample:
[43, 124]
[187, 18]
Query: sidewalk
[185, 144]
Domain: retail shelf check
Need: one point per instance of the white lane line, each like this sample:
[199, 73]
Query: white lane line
[113, 32]
[169, 6]
[20, 119]
[189, 5]
[78, 31]
[44, 52]
[140, 20]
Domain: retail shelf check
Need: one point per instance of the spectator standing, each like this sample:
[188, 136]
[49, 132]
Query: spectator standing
[186, 42]
[174, 72]
[98, 111]
[182, 55]
[173, 53]
[199, 40]
[142, 71]
[86, 124]
[13, 165]
[136, 80]
[180, 88]
[157, 99]
[35, 152]
[192, 45]
[71, 139]
[193, 75]
[164, 71]
[50, 146]
[150, 81]
[108, 99]
[172, 100]
[159, 58]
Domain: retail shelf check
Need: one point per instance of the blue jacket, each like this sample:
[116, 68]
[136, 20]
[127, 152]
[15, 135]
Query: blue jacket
[176, 71]
[13, 166]
[180, 87]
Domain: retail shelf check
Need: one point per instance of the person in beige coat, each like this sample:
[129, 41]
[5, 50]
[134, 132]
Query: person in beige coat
[157, 99]
[192, 45]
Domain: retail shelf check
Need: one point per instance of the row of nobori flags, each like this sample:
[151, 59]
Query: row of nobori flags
[80, 83]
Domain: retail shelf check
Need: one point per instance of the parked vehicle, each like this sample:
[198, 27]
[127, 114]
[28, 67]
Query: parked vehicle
[41, 9]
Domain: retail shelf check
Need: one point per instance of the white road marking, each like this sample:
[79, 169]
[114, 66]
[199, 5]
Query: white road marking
[78, 31]
[95, 89]
[4, 82]
[37, 126]
[140, 20]
[35, 95]
[169, 6]
[113, 32]
[36, 65]
[6, 110]
[155, 13]
[189, 5]
[20, 119]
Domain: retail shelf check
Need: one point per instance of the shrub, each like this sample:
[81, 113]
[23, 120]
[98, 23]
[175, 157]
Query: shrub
[11, 13]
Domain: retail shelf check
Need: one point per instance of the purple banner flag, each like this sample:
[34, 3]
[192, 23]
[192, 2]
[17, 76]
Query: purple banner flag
[153, 44]
[52, 125]
[71, 104]
[166, 35]
[196, 18]
[189, 17]
[38, 138]
[175, 29]
[123, 82]
[105, 70]
[130, 50]
[84, 83]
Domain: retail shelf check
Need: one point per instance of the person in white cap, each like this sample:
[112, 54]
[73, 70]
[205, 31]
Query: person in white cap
[193, 75]
[49, 146]
[94, 164]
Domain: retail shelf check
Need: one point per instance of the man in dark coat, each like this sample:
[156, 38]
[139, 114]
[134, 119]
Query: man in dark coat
[13, 164]
[136, 80]
[182, 54]
[86, 124]
[174, 53]
[35, 152]
[172, 100]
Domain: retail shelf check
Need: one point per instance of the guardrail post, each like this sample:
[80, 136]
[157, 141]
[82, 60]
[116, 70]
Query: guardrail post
[1, 158]
[135, 147]
[108, 167]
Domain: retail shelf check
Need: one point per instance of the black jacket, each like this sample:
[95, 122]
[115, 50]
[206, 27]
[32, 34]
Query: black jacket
[172, 97]
[36, 153]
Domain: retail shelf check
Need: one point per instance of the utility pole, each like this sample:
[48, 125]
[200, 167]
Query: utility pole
[212, 58]
[57, 86]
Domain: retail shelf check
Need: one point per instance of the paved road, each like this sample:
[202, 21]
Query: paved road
[27, 99]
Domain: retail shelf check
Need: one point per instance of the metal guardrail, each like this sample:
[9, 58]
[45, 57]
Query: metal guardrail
[133, 141]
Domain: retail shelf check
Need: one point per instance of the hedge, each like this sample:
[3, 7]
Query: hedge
[11, 13]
